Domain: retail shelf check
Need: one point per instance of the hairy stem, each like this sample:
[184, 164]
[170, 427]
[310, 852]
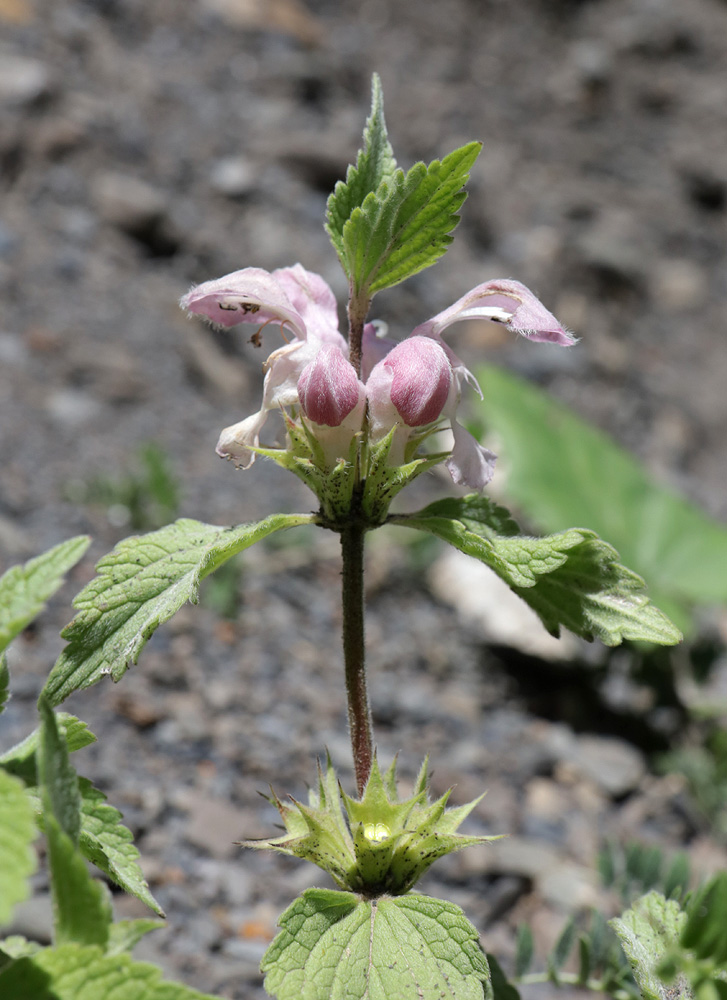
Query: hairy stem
[358, 307]
[359, 712]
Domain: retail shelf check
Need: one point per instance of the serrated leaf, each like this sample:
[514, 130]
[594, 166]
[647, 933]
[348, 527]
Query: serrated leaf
[81, 907]
[17, 833]
[405, 225]
[648, 931]
[140, 585]
[25, 589]
[375, 165]
[564, 471]
[570, 579]
[106, 842]
[71, 972]
[334, 945]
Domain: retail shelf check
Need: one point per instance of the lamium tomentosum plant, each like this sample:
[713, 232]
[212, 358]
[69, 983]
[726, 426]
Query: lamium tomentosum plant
[359, 418]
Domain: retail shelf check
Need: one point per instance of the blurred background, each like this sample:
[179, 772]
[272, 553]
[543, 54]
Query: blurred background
[146, 146]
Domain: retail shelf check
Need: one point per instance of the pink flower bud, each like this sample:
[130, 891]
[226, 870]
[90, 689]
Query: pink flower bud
[328, 389]
[422, 379]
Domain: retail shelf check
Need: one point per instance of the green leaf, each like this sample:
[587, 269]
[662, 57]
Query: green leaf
[523, 950]
[140, 585]
[21, 759]
[563, 471]
[57, 779]
[81, 907]
[405, 225]
[375, 165]
[571, 578]
[71, 972]
[124, 935]
[499, 988]
[17, 833]
[25, 589]
[563, 945]
[106, 842]
[648, 932]
[4, 681]
[335, 945]
[705, 931]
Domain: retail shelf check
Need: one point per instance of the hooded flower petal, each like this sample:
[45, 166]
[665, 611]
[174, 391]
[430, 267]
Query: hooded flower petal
[503, 301]
[247, 296]
[470, 464]
[312, 298]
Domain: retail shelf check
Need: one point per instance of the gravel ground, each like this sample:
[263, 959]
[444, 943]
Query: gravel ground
[144, 147]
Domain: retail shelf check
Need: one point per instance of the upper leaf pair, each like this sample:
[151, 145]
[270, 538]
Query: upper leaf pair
[387, 225]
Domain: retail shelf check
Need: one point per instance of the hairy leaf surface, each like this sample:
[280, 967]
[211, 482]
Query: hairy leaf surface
[405, 225]
[335, 946]
[140, 585]
[572, 578]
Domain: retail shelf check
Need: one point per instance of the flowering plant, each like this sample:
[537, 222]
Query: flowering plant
[359, 413]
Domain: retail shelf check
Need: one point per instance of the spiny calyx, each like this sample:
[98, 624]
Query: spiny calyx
[378, 844]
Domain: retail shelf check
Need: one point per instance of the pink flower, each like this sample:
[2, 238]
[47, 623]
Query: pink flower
[409, 386]
[302, 303]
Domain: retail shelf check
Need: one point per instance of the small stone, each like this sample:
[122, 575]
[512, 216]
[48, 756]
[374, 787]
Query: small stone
[615, 766]
[570, 886]
[522, 856]
[481, 598]
[213, 826]
[128, 203]
[679, 284]
[234, 177]
[23, 81]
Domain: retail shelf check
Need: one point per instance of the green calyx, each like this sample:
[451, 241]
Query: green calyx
[376, 845]
[345, 493]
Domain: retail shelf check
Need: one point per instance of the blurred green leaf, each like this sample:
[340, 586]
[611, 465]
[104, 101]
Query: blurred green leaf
[564, 472]
[81, 905]
[71, 972]
[17, 833]
[649, 931]
[25, 589]
[523, 950]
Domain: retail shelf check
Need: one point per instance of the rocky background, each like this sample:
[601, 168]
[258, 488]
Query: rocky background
[146, 146]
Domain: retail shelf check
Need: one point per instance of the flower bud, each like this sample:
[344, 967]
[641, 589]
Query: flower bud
[421, 380]
[328, 389]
